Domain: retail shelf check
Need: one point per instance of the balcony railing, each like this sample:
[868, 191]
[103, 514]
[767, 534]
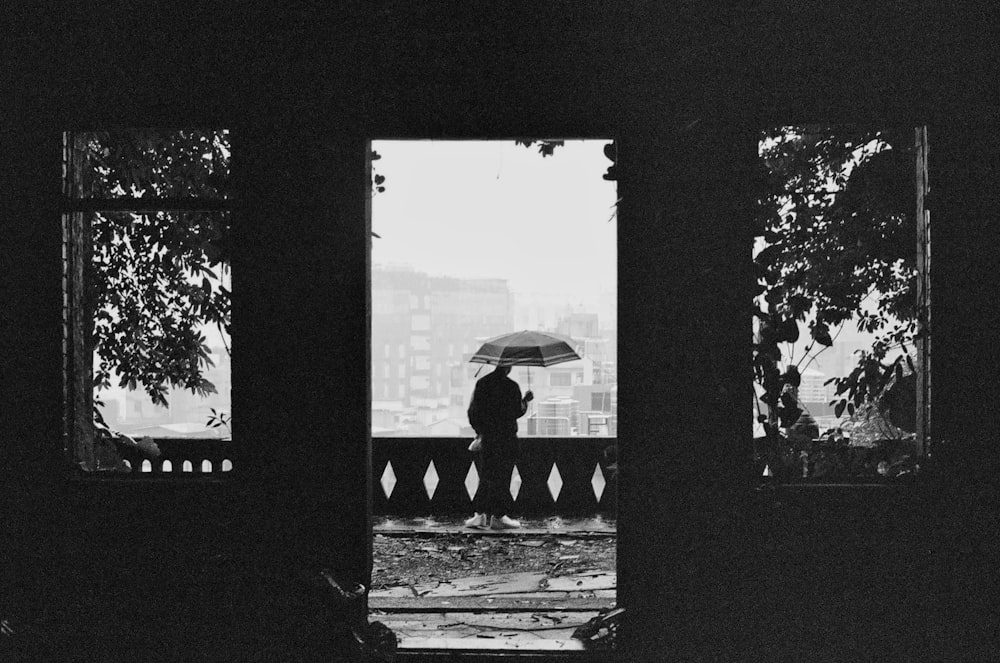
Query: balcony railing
[436, 476]
[552, 476]
[187, 457]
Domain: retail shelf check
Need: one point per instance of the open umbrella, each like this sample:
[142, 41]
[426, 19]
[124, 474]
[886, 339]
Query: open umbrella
[526, 348]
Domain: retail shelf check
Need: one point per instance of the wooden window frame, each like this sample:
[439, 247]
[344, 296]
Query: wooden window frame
[78, 386]
[922, 339]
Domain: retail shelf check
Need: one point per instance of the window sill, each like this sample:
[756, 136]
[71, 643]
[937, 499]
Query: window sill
[75, 476]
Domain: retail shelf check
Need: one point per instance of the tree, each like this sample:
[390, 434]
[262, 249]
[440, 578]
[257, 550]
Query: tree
[837, 236]
[156, 278]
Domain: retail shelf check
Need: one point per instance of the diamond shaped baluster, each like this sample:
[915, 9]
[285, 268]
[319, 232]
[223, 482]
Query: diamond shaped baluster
[431, 480]
[515, 483]
[555, 483]
[597, 482]
[472, 481]
[388, 480]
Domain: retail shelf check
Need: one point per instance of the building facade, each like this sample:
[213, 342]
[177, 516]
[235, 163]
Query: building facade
[424, 329]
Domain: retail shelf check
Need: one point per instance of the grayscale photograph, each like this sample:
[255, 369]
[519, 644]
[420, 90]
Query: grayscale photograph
[468, 331]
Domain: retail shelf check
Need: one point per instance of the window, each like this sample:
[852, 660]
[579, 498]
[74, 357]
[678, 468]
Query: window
[147, 291]
[840, 337]
[600, 401]
[560, 379]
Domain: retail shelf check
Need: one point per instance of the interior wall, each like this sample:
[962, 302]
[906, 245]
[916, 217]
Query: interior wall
[682, 89]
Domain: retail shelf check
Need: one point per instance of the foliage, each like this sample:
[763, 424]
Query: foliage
[156, 278]
[545, 147]
[837, 235]
[219, 419]
[378, 180]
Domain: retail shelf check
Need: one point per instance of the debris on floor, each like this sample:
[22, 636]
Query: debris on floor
[439, 587]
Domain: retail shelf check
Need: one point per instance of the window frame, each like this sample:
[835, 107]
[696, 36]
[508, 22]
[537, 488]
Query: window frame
[922, 337]
[77, 242]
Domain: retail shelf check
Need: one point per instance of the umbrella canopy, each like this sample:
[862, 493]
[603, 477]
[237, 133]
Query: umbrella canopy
[526, 348]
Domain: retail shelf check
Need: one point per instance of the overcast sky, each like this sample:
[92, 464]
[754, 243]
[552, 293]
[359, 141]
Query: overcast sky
[493, 209]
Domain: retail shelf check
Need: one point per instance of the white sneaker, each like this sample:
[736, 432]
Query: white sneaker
[478, 521]
[503, 522]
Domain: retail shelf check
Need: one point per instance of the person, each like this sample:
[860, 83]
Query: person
[493, 413]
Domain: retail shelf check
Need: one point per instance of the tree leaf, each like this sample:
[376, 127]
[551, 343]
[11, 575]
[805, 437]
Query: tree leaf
[838, 410]
[820, 333]
[792, 376]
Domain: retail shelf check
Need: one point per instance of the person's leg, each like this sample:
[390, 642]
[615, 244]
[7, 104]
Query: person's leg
[480, 517]
[503, 502]
[492, 476]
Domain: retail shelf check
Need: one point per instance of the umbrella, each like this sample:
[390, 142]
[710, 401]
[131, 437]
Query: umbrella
[526, 348]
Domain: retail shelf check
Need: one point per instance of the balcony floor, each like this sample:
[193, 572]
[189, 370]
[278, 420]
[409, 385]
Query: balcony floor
[442, 586]
[583, 527]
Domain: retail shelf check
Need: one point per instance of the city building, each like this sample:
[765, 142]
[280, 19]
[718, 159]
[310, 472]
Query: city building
[424, 328]
[555, 416]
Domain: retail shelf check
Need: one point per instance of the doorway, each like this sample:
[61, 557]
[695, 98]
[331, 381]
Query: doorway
[471, 240]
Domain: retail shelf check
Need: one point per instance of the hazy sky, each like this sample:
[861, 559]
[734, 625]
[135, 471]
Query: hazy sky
[493, 209]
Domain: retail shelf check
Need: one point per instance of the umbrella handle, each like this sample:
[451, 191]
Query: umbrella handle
[529, 389]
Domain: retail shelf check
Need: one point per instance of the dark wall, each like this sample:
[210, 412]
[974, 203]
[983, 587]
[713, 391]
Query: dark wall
[683, 89]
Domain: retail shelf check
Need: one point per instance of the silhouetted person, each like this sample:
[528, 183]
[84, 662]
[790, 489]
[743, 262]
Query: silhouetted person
[494, 410]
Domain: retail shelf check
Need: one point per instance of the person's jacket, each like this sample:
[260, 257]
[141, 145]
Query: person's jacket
[496, 405]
